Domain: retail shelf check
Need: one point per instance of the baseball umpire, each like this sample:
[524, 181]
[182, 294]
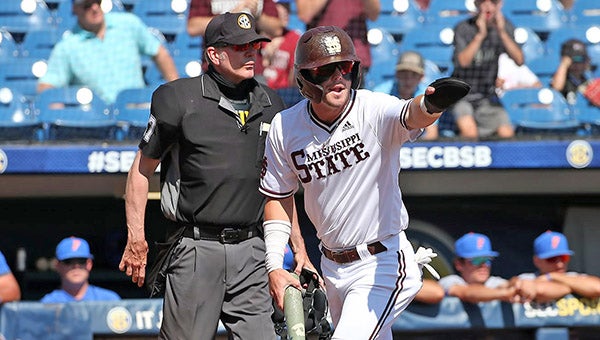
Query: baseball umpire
[343, 146]
[208, 133]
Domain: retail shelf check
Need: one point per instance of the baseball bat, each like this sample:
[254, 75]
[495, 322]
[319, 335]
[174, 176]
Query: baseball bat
[294, 312]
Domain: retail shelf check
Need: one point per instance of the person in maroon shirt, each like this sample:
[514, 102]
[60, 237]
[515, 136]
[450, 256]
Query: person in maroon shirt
[278, 55]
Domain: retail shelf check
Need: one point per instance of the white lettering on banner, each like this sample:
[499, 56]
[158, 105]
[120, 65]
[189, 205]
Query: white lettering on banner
[421, 157]
[143, 319]
[111, 161]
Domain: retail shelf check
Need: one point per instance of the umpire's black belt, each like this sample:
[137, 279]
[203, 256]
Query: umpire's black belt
[351, 255]
[226, 235]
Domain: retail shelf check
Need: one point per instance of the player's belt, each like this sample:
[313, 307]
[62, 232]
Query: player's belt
[351, 255]
[224, 235]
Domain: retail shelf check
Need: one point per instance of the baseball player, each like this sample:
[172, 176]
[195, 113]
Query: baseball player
[343, 145]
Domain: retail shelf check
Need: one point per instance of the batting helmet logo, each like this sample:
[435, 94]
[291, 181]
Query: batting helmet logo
[332, 45]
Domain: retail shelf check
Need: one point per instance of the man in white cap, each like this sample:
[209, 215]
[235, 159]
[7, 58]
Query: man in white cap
[74, 264]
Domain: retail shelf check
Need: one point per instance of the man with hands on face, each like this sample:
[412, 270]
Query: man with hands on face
[478, 43]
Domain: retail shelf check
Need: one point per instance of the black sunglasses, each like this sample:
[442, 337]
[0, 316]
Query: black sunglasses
[87, 4]
[75, 261]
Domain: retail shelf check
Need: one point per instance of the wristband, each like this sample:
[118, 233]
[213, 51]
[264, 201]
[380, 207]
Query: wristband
[548, 277]
[277, 234]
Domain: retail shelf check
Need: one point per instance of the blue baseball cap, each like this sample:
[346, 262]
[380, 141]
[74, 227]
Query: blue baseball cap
[73, 247]
[474, 245]
[550, 244]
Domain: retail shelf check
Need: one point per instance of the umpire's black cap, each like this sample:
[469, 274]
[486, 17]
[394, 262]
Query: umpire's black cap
[232, 29]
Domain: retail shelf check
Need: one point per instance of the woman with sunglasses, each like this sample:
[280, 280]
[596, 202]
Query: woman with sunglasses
[474, 283]
[343, 145]
[553, 279]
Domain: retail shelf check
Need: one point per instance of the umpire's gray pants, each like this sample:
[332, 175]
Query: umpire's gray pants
[208, 281]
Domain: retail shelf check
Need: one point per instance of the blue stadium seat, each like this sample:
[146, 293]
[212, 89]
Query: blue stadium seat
[20, 17]
[74, 113]
[185, 45]
[531, 44]
[17, 121]
[449, 12]
[186, 66]
[587, 114]
[398, 17]
[542, 16]
[434, 43]
[585, 12]
[131, 111]
[170, 17]
[39, 44]
[384, 54]
[544, 67]
[540, 111]
[8, 47]
[22, 74]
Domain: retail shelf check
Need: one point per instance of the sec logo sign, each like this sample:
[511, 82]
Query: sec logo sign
[119, 320]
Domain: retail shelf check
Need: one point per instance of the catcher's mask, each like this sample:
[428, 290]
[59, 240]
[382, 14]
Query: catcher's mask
[321, 46]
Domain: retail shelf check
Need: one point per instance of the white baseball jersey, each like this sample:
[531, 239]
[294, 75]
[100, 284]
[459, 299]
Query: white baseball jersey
[349, 168]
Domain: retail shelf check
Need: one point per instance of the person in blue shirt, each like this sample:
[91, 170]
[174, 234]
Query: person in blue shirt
[74, 265]
[9, 288]
[105, 53]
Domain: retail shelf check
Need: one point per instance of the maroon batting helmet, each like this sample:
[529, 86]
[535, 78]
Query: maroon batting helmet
[321, 46]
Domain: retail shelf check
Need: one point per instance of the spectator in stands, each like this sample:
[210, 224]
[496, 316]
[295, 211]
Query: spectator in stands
[104, 52]
[350, 15]
[478, 43]
[473, 262]
[553, 280]
[410, 71]
[265, 12]
[74, 264]
[278, 55]
[9, 287]
[512, 76]
[571, 75]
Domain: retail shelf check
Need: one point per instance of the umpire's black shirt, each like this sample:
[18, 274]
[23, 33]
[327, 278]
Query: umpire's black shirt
[210, 162]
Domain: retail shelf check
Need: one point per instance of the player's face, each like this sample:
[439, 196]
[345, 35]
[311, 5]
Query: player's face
[237, 62]
[75, 271]
[556, 264]
[475, 270]
[336, 80]
[89, 14]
